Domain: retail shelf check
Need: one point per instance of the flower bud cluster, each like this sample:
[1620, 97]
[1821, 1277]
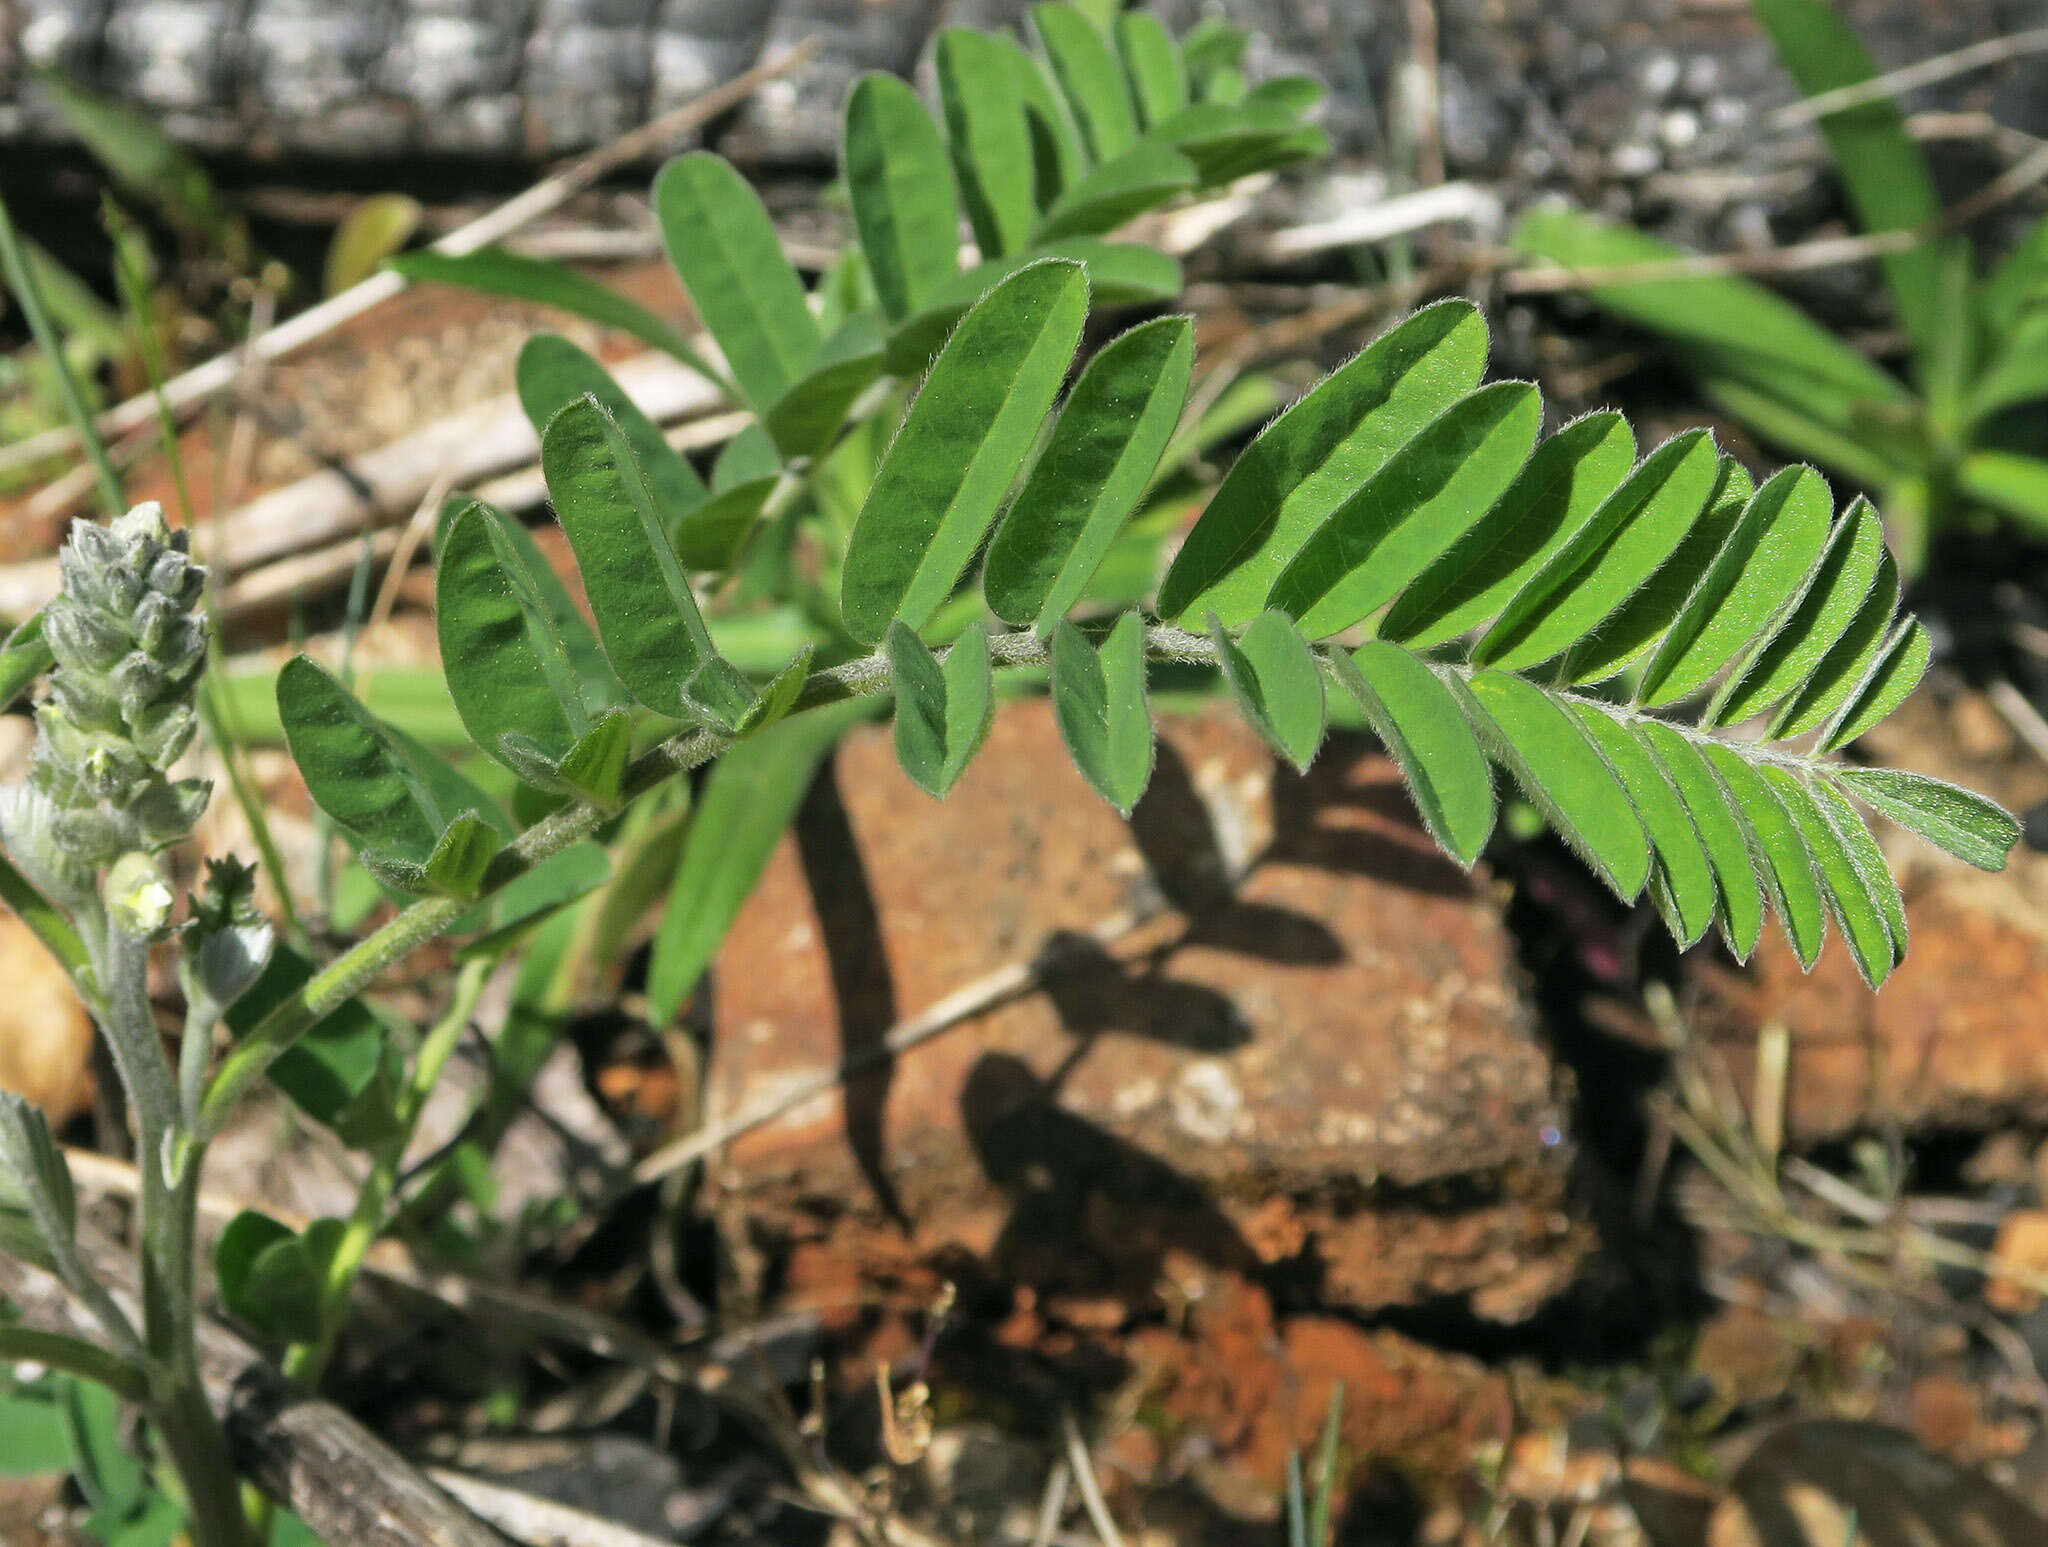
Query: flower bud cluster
[130, 642]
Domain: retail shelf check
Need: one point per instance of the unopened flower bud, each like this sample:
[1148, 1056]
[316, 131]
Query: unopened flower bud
[138, 897]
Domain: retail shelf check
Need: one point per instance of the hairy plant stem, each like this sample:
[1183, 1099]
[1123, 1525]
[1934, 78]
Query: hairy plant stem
[170, 1162]
[860, 677]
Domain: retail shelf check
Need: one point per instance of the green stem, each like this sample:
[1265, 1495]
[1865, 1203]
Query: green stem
[74, 1356]
[865, 675]
[21, 279]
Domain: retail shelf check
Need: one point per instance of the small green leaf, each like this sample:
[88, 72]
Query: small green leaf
[106, 1470]
[595, 767]
[461, 856]
[354, 766]
[1296, 94]
[1832, 595]
[1842, 878]
[330, 1065]
[1415, 715]
[531, 896]
[2009, 481]
[721, 241]
[959, 447]
[368, 234]
[267, 1279]
[1777, 851]
[749, 799]
[1308, 461]
[1089, 77]
[1274, 677]
[1772, 549]
[780, 696]
[1142, 178]
[1227, 141]
[1212, 47]
[1152, 63]
[1973, 829]
[1834, 680]
[646, 613]
[1683, 882]
[1872, 868]
[497, 272]
[1412, 510]
[1099, 701]
[804, 420]
[1093, 471]
[710, 537]
[1556, 493]
[901, 185]
[1601, 565]
[942, 713]
[1891, 678]
[1562, 773]
[508, 669]
[1721, 833]
[990, 136]
[553, 373]
[25, 657]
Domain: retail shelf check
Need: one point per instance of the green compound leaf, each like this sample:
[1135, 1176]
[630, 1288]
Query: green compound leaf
[1309, 461]
[1094, 469]
[1973, 829]
[1099, 702]
[960, 446]
[1754, 577]
[1554, 496]
[942, 712]
[990, 136]
[646, 613]
[1533, 736]
[1424, 730]
[900, 181]
[722, 243]
[1274, 677]
[1089, 77]
[1424, 499]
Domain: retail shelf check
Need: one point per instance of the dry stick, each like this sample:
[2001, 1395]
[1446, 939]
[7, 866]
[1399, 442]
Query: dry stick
[984, 993]
[1925, 72]
[538, 1521]
[339, 1478]
[1084, 1478]
[545, 196]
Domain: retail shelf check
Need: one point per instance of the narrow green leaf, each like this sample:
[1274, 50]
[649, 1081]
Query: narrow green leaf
[990, 137]
[595, 766]
[942, 712]
[1883, 169]
[719, 692]
[1772, 549]
[1625, 542]
[534, 895]
[1747, 329]
[1683, 883]
[1212, 47]
[1089, 77]
[710, 537]
[2008, 481]
[1296, 94]
[1891, 678]
[900, 182]
[1721, 832]
[1654, 606]
[1418, 719]
[1057, 158]
[1428, 495]
[1311, 458]
[508, 669]
[494, 271]
[48, 922]
[780, 696]
[1142, 178]
[749, 800]
[1556, 493]
[553, 372]
[722, 243]
[1562, 773]
[1777, 851]
[1821, 426]
[1842, 878]
[1152, 64]
[804, 420]
[461, 856]
[646, 614]
[1832, 596]
[374, 230]
[1274, 677]
[1973, 829]
[959, 447]
[1835, 679]
[1099, 701]
[1872, 867]
[1227, 141]
[1093, 471]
